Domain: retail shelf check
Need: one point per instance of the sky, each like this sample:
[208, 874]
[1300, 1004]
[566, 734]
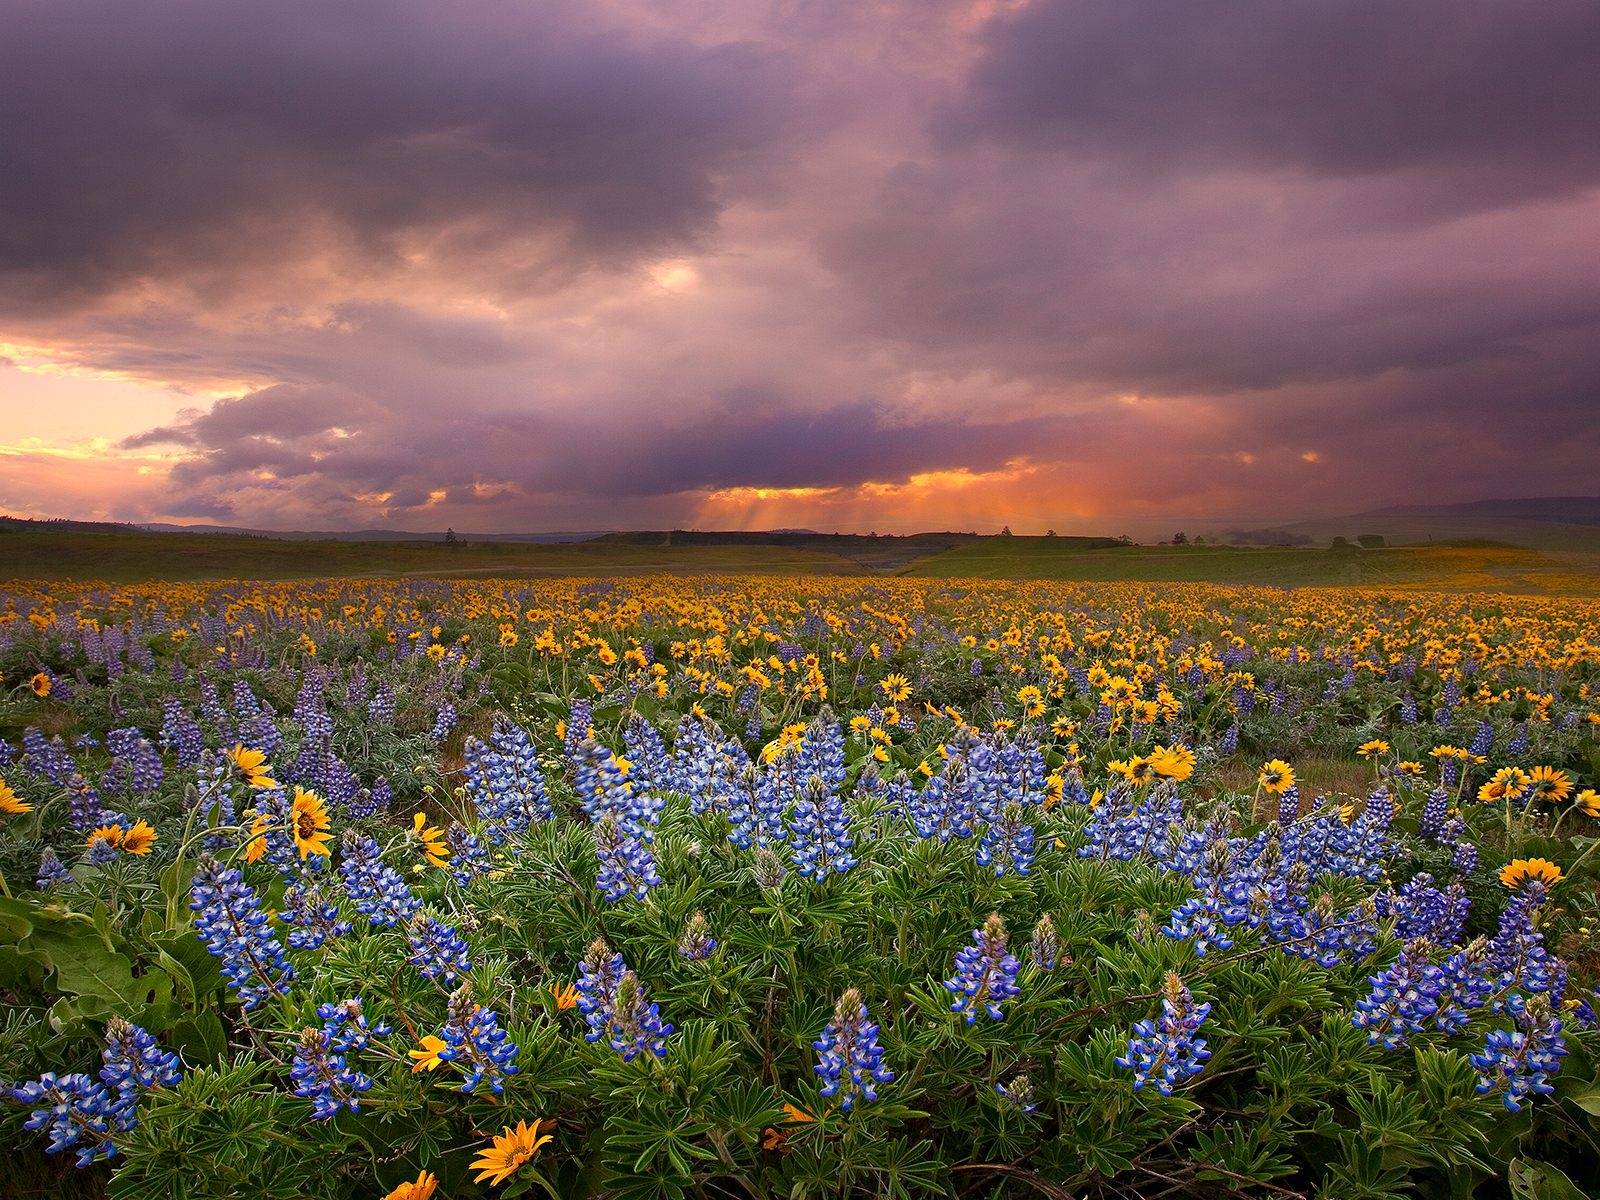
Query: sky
[518, 265]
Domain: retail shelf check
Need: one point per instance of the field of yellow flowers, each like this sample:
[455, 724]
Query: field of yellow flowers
[749, 886]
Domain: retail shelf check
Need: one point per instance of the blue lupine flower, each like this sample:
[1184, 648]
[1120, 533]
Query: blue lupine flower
[52, 873]
[347, 1027]
[1518, 747]
[636, 1024]
[600, 781]
[850, 1060]
[1483, 740]
[437, 949]
[137, 767]
[694, 762]
[1046, 943]
[650, 766]
[1166, 1050]
[313, 918]
[1463, 987]
[380, 709]
[697, 942]
[380, 894]
[1230, 740]
[181, 733]
[135, 1063]
[1403, 998]
[1519, 1062]
[1408, 710]
[1008, 844]
[597, 988]
[1017, 1094]
[1434, 813]
[232, 924]
[469, 861]
[83, 1114]
[444, 720]
[985, 972]
[473, 1038]
[1421, 910]
[1289, 805]
[580, 725]
[77, 1112]
[819, 831]
[321, 1075]
[613, 1005]
[627, 864]
[505, 783]
[1517, 958]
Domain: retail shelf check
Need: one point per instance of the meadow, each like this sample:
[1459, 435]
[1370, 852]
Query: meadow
[1563, 563]
[801, 882]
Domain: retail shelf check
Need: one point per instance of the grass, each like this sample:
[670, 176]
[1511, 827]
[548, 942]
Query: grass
[1437, 567]
[130, 557]
[137, 557]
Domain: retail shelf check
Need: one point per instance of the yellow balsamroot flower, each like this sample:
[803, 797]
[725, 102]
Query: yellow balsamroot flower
[1507, 781]
[139, 838]
[40, 684]
[1032, 701]
[512, 1150]
[1520, 870]
[1588, 802]
[111, 835]
[896, 687]
[1550, 783]
[427, 1058]
[1173, 762]
[11, 803]
[252, 765]
[1373, 748]
[308, 820]
[422, 1189]
[1276, 777]
[432, 838]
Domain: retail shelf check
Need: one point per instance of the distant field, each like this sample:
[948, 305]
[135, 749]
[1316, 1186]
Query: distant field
[1452, 568]
[133, 557]
[1410, 530]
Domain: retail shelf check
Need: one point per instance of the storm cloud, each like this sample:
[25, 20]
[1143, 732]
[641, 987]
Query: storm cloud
[636, 262]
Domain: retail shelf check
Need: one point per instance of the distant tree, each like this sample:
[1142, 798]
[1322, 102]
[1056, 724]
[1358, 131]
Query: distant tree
[1123, 539]
[1340, 543]
[1005, 531]
[450, 538]
[1050, 533]
[1180, 538]
[1372, 541]
[1199, 540]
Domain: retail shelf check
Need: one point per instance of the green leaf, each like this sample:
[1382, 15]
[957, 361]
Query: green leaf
[1531, 1179]
[1587, 1098]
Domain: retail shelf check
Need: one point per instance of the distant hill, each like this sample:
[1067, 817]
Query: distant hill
[1565, 510]
[372, 535]
[61, 525]
[878, 553]
[1539, 523]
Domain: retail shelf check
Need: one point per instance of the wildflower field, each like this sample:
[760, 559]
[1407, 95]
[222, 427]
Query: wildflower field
[802, 887]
